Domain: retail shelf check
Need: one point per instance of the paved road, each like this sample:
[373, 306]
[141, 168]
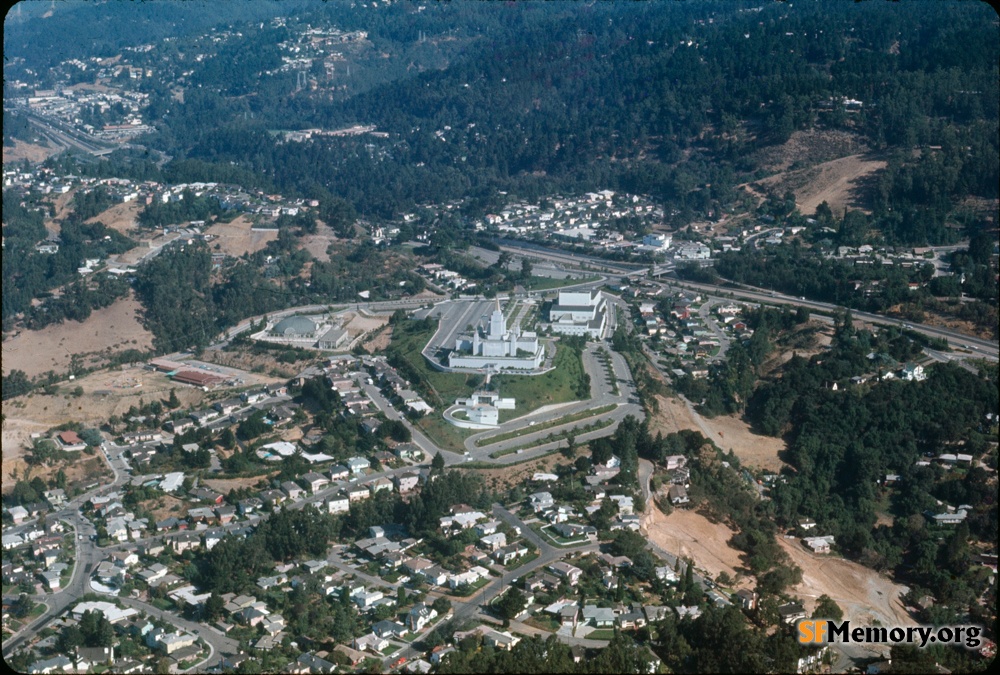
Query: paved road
[601, 395]
[218, 643]
[705, 313]
[984, 348]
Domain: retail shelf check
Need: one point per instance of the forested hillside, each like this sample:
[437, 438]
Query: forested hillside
[662, 99]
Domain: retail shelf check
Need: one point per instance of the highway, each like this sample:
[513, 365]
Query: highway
[985, 348]
[65, 136]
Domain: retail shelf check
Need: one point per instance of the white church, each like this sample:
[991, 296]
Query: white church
[497, 347]
[579, 313]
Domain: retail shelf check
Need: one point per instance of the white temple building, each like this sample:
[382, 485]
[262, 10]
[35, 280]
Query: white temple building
[579, 313]
[498, 348]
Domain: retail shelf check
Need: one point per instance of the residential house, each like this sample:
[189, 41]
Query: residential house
[389, 629]
[315, 481]
[419, 616]
[599, 617]
[508, 554]
[357, 493]
[566, 571]
[225, 514]
[292, 490]
[819, 544]
[746, 599]
[353, 656]
[678, 495]
[540, 501]
[631, 620]
[339, 472]
[379, 484]
[310, 663]
[492, 542]
[340, 503]
[358, 465]
[791, 612]
[405, 482]
[168, 643]
[70, 441]
[371, 643]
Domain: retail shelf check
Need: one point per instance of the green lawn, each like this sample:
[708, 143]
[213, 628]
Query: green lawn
[555, 436]
[546, 531]
[575, 417]
[543, 622]
[533, 392]
[407, 343]
[446, 436]
[601, 634]
[469, 589]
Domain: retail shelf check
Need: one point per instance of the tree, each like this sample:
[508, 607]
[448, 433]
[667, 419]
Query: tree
[826, 608]
[70, 638]
[510, 604]
[15, 383]
[441, 605]
[22, 606]
[213, 607]
[437, 464]
[526, 268]
[227, 439]
[503, 260]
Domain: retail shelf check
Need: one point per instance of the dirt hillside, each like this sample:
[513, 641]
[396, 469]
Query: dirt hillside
[864, 595]
[237, 238]
[819, 165]
[728, 432]
[108, 330]
[691, 535]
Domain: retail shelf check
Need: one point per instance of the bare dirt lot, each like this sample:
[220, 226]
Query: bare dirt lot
[224, 485]
[358, 323]
[120, 389]
[29, 151]
[265, 364]
[841, 183]
[691, 535]
[317, 244]
[166, 506]
[106, 331]
[53, 225]
[235, 238]
[378, 343]
[728, 432]
[120, 217]
[863, 594]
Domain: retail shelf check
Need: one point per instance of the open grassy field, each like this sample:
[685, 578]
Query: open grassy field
[445, 436]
